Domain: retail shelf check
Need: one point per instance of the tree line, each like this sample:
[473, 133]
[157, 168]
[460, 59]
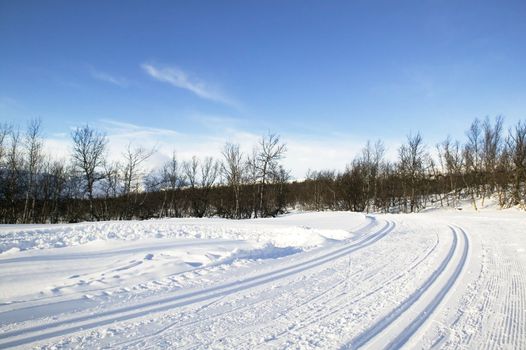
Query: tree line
[491, 162]
[35, 188]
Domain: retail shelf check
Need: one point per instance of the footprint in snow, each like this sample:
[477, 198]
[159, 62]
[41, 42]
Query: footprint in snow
[148, 257]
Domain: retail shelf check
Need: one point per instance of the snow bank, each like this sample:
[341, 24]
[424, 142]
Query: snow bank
[268, 251]
[278, 233]
[147, 256]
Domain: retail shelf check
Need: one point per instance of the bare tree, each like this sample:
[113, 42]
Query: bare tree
[12, 186]
[412, 157]
[474, 144]
[201, 177]
[209, 172]
[111, 183]
[270, 151]
[517, 145]
[173, 180]
[233, 170]
[4, 133]
[251, 178]
[280, 178]
[172, 174]
[352, 184]
[89, 146]
[472, 162]
[371, 159]
[33, 147]
[190, 169]
[191, 173]
[58, 177]
[133, 158]
[112, 179]
[451, 160]
[491, 151]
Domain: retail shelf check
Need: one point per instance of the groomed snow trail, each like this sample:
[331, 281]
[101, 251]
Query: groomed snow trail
[396, 328]
[490, 309]
[75, 324]
[438, 280]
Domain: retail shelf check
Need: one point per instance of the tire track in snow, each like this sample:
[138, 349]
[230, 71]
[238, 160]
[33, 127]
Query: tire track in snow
[401, 338]
[82, 323]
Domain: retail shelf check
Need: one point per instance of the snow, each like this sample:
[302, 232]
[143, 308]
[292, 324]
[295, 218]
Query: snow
[298, 230]
[440, 279]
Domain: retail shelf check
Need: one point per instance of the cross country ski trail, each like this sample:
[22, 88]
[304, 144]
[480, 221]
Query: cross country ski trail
[441, 280]
[48, 330]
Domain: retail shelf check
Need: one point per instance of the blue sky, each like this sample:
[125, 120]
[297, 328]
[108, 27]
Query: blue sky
[327, 75]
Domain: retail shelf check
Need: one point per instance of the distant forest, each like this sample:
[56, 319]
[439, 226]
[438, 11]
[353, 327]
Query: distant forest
[35, 188]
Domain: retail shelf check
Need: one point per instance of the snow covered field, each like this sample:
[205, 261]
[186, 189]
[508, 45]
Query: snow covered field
[442, 279]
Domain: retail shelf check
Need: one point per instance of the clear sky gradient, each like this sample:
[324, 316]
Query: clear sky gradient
[326, 75]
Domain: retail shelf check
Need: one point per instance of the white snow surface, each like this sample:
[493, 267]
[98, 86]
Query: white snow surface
[444, 279]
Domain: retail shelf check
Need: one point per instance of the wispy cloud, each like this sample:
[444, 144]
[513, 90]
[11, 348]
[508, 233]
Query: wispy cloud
[108, 78]
[179, 78]
[129, 130]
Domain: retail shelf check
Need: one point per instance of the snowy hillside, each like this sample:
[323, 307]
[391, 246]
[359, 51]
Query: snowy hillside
[442, 279]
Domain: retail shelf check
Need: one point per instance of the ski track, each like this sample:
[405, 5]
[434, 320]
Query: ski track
[82, 323]
[333, 306]
[360, 293]
[325, 292]
[377, 330]
[312, 315]
[422, 317]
